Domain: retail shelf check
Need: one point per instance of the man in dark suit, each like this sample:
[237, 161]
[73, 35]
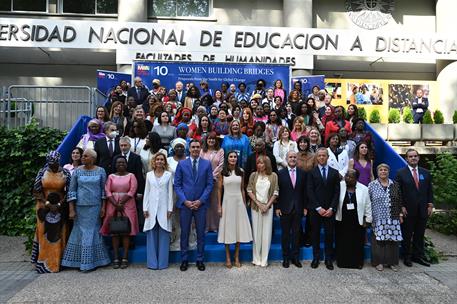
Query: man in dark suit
[251, 163]
[107, 147]
[290, 209]
[419, 106]
[417, 196]
[180, 93]
[134, 166]
[138, 91]
[193, 186]
[323, 196]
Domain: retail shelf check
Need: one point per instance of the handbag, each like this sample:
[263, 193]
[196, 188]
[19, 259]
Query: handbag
[119, 224]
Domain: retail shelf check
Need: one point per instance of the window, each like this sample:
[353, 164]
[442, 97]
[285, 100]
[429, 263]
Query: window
[179, 8]
[24, 5]
[89, 6]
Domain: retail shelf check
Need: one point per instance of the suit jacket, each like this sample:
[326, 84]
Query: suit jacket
[144, 93]
[323, 194]
[158, 200]
[188, 188]
[135, 166]
[290, 198]
[416, 105]
[104, 159]
[415, 200]
[183, 96]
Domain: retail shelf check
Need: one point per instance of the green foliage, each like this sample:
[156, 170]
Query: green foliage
[454, 117]
[438, 117]
[362, 113]
[22, 155]
[375, 117]
[394, 116]
[427, 119]
[444, 174]
[430, 252]
[444, 222]
[407, 115]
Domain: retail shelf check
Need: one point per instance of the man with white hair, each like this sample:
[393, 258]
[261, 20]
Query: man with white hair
[180, 94]
[138, 91]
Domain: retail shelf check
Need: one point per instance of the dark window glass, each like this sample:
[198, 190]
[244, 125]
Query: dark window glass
[79, 7]
[193, 8]
[106, 6]
[164, 8]
[29, 5]
[5, 5]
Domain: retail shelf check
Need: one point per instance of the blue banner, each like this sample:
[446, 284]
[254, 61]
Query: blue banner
[108, 80]
[308, 82]
[214, 73]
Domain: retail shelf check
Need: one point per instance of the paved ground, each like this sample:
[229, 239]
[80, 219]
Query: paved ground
[437, 284]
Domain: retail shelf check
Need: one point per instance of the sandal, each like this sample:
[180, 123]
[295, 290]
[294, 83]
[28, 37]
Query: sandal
[380, 267]
[116, 264]
[228, 264]
[237, 264]
[124, 263]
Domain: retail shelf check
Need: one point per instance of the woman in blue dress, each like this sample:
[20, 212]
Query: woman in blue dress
[86, 197]
[238, 142]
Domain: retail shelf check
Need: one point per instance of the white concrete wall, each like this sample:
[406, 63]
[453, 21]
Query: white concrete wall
[408, 16]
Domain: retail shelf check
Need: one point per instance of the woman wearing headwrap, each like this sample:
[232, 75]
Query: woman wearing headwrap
[181, 132]
[52, 227]
[178, 150]
[94, 132]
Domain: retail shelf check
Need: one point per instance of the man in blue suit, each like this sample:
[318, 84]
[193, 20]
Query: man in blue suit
[193, 185]
[419, 106]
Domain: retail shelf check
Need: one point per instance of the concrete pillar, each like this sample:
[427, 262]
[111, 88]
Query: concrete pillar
[446, 71]
[298, 13]
[131, 11]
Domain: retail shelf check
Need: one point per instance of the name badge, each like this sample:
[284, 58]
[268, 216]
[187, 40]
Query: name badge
[350, 206]
[421, 177]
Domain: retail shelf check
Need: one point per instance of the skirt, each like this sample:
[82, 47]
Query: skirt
[85, 248]
[384, 252]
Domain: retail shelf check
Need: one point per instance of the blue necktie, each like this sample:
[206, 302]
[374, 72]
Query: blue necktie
[324, 176]
[194, 169]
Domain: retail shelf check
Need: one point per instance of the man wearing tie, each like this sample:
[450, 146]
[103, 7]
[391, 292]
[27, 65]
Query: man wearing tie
[193, 186]
[138, 91]
[323, 197]
[180, 94]
[417, 198]
[107, 147]
[134, 166]
[419, 106]
[290, 208]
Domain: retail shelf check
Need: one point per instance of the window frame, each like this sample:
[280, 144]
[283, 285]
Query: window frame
[209, 17]
[27, 12]
[96, 14]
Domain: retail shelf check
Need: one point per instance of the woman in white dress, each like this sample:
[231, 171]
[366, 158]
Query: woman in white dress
[262, 190]
[337, 157]
[234, 226]
[157, 209]
[282, 146]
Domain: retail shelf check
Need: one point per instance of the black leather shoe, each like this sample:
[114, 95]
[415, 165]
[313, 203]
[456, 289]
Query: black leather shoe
[285, 263]
[297, 263]
[421, 261]
[184, 266]
[329, 264]
[315, 263]
[407, 263]
[201, 266]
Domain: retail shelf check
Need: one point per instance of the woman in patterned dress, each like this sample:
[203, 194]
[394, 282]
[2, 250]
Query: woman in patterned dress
[86, 198]
[47, 251]
[385, 199]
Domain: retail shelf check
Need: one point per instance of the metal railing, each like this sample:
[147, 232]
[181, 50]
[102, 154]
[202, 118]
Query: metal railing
[51, 106]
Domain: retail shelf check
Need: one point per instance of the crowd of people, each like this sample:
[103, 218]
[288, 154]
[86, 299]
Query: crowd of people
[178, 162]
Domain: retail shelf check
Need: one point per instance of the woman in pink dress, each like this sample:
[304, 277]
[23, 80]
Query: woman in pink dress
[120, 191]
[211, 151]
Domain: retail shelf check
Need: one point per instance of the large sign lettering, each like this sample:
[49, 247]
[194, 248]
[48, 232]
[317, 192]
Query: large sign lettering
[223, 43]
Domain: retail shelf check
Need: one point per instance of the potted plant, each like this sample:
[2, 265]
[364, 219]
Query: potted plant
[408, 115]
[397, 131]
[362, 113]
[437, 131]
[375, 123]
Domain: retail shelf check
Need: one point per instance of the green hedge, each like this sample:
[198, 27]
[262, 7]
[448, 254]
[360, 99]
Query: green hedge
[22, 155]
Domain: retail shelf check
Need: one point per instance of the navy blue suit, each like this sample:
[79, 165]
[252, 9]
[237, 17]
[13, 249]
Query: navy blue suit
[415, 105]
[192, 188]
